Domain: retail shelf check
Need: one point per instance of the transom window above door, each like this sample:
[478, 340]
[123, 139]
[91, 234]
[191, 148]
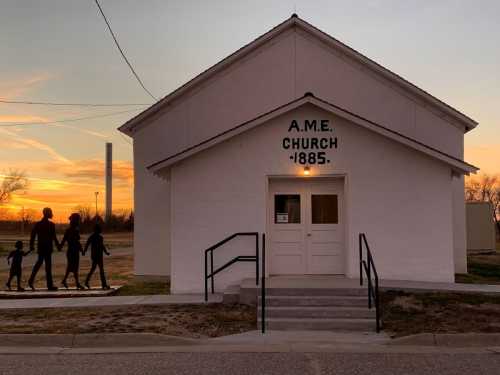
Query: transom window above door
[324, 209]
[287, 209]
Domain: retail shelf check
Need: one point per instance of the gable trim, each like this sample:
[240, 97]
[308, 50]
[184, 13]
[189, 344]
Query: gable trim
[457, 164]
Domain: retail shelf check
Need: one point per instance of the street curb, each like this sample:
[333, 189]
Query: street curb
[13, 344]
[451, 340]
[91, 340]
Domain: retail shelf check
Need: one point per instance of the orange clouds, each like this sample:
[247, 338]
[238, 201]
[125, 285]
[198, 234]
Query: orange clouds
[93, 170]
[75, 185]
[22, 118]
[33, 143]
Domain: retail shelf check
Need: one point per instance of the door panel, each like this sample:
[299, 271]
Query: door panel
[325, 228]
[287, 255]
[306, 226]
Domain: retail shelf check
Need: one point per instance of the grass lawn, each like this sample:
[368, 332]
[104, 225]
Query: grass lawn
[138, 288]
[410, 313]
[483, 268]
[196, 321]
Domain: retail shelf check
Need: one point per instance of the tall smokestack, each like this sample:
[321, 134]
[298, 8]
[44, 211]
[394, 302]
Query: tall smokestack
[109, 179]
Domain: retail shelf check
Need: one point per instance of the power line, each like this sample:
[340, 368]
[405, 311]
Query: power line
[66, 120]
[73, 104]
[122, 53]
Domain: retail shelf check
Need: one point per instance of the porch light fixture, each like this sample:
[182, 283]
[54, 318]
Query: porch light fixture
[307, 171]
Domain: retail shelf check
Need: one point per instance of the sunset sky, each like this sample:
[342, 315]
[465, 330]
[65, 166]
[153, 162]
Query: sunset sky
[60, 51]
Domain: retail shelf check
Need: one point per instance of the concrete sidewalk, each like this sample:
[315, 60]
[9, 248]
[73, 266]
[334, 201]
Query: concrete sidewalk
[163, 299]
[424, 286]
[254, 341]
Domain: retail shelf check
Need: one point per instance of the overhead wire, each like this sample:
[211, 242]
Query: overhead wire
[66, 120]
[122, 53]
[72, 104]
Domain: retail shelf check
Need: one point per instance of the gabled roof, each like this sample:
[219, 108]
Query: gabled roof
[456, 164]
[295, 21]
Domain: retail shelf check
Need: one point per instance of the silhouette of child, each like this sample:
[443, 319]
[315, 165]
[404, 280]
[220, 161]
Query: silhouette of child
[97, 248]
[16, 266]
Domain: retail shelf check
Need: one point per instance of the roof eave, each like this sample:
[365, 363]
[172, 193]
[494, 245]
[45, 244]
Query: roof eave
[456, 164]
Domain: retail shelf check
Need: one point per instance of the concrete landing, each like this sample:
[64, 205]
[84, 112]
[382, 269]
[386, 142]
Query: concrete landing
[306, 281]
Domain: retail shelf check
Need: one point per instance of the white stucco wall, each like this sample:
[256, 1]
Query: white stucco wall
[399, 197]
[152, 217]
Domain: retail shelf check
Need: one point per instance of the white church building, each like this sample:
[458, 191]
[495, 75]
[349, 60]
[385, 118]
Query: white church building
[300, 137]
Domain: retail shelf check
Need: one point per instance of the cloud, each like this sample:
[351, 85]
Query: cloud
[12, 145]
[33, 143]
[93, 169]
[15, 88]
[22, 118]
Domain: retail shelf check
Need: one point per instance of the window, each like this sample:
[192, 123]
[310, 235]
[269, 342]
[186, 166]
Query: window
[325, 209]
[287, 208]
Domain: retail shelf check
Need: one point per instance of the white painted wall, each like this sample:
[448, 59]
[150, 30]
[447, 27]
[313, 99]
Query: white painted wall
[152, 217]
[459, 225]
[283, 69]
[399, 197]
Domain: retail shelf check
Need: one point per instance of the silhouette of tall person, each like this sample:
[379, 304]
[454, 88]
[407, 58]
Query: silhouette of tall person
[45, 233]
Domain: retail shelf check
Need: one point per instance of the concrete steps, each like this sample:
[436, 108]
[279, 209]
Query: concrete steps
[337, 309]
[284, 301]
[309, 292]
[319, 324]
[298, 312]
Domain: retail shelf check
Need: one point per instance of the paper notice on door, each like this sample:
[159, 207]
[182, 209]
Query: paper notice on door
[282, 218]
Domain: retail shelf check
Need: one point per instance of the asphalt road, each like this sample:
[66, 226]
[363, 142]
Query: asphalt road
[252, 364]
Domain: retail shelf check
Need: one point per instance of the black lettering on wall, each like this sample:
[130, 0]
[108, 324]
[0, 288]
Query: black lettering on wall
[307, 149]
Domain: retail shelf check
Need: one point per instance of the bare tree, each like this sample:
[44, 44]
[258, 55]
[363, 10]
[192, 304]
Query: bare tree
[85, 212]
[14, 181]
[485, 188]
[28, 215]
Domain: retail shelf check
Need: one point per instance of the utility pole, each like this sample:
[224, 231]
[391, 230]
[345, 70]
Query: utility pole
[22, 221]
[96, 194]
[109, 180]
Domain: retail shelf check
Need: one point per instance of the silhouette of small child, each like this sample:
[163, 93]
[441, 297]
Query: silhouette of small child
[16, 266]
[97, 248]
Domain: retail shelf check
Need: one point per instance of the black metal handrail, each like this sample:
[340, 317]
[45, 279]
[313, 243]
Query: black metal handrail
[263, 286]
[240, 258]
[368, 266]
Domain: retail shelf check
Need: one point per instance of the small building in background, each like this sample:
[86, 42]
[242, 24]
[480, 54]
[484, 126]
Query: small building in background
[480, 226]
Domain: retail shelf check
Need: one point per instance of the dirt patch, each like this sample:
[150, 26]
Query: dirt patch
[195, 321]
[406, 313]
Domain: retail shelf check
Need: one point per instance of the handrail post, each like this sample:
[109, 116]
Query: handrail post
[206, 281]
[257, 265]
[263, 286]
[212, 270]
[377, 305]
[369, 277]
[360, 260]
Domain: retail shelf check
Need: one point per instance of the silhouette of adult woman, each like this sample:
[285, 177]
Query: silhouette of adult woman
[72, 237]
